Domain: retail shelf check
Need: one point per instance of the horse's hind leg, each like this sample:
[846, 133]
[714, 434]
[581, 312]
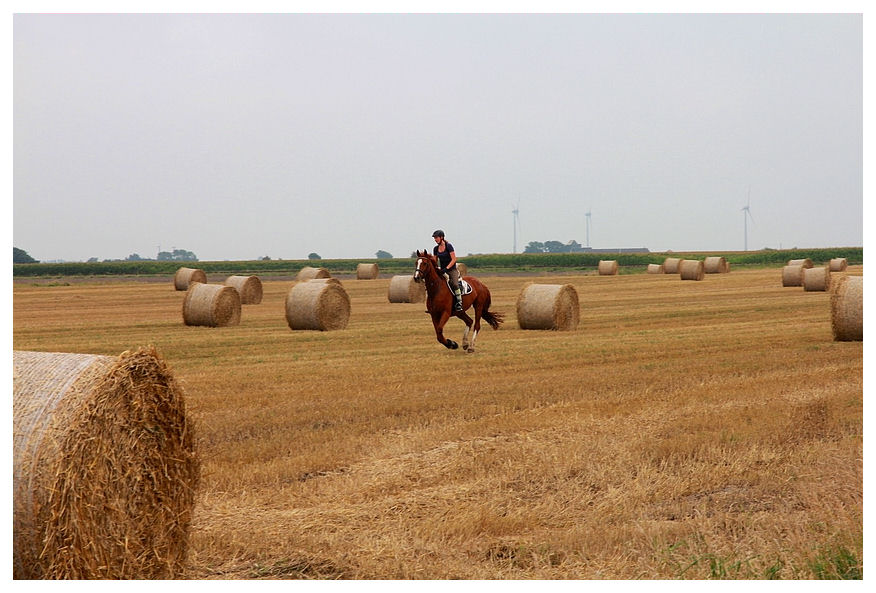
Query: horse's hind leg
[475, 329]
[468, 323]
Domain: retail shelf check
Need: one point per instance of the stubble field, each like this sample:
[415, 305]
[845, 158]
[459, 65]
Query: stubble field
[706, 429]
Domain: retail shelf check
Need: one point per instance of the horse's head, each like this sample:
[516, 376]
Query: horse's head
[425, 260]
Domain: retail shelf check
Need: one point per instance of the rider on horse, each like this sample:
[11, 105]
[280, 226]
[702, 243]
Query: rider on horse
[447, 258]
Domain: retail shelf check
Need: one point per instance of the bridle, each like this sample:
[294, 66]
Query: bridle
[419, 273]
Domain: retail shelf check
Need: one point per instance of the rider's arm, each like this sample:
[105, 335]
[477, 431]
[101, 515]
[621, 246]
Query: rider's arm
[452, 260]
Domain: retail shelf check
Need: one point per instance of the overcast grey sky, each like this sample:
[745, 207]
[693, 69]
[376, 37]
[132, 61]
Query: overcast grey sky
[239, 136]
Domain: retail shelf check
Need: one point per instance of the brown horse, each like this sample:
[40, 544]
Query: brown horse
[439, 302]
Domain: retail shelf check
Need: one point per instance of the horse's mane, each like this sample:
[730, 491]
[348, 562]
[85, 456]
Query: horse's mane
[429, 256]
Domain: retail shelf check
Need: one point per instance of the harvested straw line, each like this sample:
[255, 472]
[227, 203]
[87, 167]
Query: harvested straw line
[691, 269]
[816, 279]
[548, 306]
[104, 467]
[309, 273]
[838, 264]
[326, 281]
[185, 276]
[367, 271]
[671, 265]
[792, 275]
[607, 267]
[318, 304]
[655, 268]
[805, 262]
[716, 265]
[847, 309]
[213, 305]
[249, 288]
[403, 289]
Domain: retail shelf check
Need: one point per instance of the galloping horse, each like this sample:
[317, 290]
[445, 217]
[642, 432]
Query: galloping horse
[439, 302]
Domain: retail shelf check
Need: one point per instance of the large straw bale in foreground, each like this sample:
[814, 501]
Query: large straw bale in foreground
[838, 264]
[847, 309]
[716, 265]
[671, 265]
[805, 262]
[792, 275]
[309, 273]
[185, 276]
[212, 305]
[816, 279]
[403, 289]
[655, 268]
[607, 267]
[104, 467]
[317, 304]
[367, 271]
[249, 288]
[548, 306]
[463, 269]
[691, 269]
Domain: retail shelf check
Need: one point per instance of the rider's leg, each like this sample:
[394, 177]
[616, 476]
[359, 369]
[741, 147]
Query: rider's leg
[454, 285]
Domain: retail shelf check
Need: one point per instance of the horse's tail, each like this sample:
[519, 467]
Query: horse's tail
[494, 319]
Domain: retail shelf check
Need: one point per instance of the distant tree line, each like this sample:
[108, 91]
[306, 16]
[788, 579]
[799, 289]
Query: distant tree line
[553, 247]
[175, 255]
[20, 256]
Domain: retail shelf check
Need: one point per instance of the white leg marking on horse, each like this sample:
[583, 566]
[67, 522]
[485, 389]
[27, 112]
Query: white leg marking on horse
[474, 336]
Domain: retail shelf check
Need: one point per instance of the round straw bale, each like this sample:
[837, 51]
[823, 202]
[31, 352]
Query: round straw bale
[309, 273]
[249, 288]
[213, 305]
[838, 264]
[805, 262]
[847, 309]
[185, 276]
[716, 265]
[321, 305]
[691, 269]
[655, 268]
[816, 279]
[104, 467]
[792, 275]
[671, 265]
[367, 271]
[548, 306]
[607, 267]
[463, 269]
[403, 289]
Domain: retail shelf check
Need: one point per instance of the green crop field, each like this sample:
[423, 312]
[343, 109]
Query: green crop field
[523, 262]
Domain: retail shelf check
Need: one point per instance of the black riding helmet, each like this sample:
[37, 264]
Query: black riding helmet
[438, 233]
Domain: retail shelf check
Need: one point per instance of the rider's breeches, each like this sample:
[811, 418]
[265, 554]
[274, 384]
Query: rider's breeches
[454, 278]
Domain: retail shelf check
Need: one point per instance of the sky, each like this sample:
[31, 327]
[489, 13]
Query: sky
[240, 136]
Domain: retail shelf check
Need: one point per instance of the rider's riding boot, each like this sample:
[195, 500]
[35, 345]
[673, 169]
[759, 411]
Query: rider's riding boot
[457, 297]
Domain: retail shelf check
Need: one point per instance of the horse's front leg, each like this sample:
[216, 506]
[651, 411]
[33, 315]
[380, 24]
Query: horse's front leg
[439, 321]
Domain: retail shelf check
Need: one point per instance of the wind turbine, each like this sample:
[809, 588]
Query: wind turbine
[746, 214]
[587, 214]
[516, 213]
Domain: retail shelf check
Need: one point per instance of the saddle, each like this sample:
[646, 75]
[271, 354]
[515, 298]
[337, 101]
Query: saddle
[464, 287]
